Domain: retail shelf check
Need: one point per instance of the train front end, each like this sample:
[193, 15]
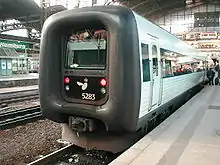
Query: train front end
[90, 74]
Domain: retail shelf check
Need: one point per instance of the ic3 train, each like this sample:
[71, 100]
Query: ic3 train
[106, 72]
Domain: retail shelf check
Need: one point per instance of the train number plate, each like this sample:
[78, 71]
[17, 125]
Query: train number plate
[88, 96]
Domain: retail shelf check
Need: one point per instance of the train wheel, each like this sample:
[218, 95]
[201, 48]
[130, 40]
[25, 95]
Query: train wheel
[144, 129]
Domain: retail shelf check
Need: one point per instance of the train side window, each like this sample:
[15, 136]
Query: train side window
[166, 64]
[145, 62]
[155, 60]
[167, 68]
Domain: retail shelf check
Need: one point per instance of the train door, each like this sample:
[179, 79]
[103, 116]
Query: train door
[155, 74]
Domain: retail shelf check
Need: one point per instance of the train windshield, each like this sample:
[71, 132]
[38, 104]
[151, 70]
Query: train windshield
[87, 49]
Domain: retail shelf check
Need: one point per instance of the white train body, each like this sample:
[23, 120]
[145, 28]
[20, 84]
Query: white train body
[163, 90]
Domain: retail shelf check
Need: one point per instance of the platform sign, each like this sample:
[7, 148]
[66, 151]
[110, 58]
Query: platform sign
[13, 44]
[9, 66]
[206, 19]
[3, 65]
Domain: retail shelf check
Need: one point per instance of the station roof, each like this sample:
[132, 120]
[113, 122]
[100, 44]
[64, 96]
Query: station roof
[26, 11]
[29, 11]
[153, 9]
[16, 38]
[12, 9]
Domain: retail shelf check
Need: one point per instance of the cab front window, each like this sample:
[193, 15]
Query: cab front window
[87, 49]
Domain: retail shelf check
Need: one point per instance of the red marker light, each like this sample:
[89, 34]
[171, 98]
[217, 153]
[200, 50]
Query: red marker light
[103, 82]
[67, 80]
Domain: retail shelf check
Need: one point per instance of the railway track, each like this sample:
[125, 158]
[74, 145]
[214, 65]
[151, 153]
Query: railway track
[13, 97]
[18, 117]
[72, 154]
[54, 156]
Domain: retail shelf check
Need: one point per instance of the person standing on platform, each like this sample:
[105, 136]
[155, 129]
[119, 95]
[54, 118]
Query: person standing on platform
[210, 75]
[218, 76]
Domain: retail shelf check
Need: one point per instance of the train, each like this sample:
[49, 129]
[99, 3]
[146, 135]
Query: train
[106, 72]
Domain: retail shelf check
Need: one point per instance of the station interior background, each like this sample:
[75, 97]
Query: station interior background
[198, 25]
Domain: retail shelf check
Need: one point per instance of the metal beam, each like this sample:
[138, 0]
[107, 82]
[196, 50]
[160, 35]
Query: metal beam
[18, 25]
[142, 3]
[163, 7]
[157, 16]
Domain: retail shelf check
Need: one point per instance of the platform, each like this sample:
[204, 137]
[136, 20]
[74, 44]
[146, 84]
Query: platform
[18, 80]
[18, 89]
[190, 136]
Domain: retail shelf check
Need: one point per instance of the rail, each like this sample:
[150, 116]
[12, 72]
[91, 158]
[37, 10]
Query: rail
[54, 155]
[14, 118]
[12, 97]
[72, 154]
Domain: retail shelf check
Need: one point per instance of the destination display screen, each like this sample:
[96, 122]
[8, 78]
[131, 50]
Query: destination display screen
[87, 49]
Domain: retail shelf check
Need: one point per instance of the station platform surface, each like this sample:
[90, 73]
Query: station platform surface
[18, 80]
[19, 77]
[190, 136]
[18, 89]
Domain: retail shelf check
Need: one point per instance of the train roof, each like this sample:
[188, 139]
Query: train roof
[166, 40]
